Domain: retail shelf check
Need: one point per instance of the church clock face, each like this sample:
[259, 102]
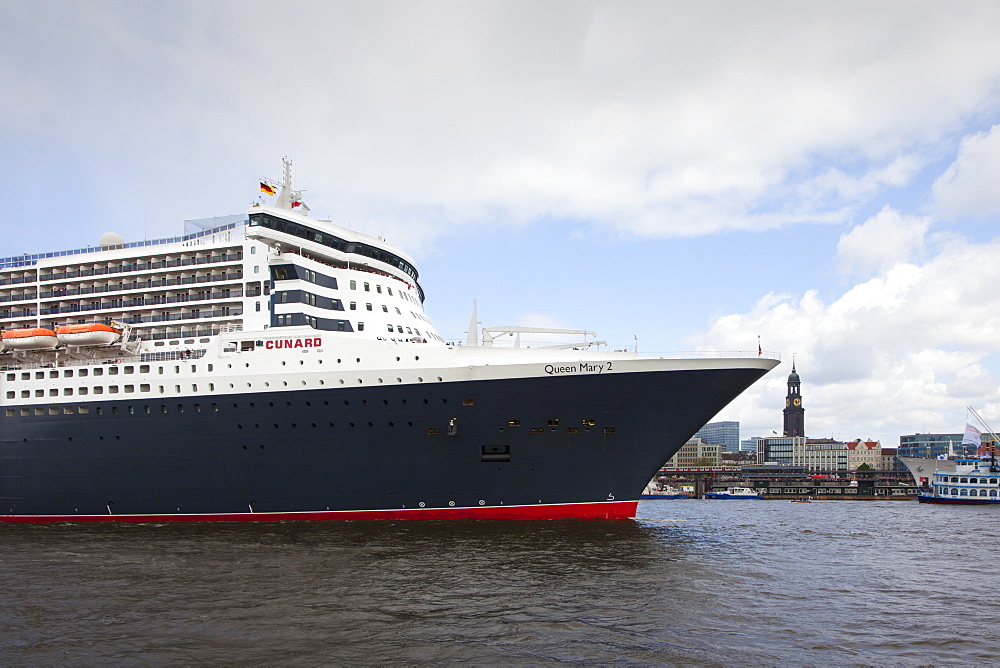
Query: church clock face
[797, 402]
[788, 402]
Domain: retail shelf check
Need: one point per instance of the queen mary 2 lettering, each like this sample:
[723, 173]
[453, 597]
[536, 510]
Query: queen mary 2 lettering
[133, 388]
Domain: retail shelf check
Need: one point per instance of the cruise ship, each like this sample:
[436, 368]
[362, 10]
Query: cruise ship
[272, 366]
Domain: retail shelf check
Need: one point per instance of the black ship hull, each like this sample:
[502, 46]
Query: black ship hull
[548, 447]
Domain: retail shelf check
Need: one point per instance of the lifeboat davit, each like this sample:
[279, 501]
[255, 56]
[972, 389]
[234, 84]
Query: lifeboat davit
[93, 334]
[30, 338]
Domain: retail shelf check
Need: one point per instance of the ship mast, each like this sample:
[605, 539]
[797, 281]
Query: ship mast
[288, 198]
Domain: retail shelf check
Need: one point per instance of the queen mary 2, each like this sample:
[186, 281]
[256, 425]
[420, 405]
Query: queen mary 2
[271, 366]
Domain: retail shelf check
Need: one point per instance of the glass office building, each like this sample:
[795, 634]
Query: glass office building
[726, 434]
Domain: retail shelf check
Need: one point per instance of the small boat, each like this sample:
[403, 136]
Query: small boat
[801, 500]
[92, 334]
[30, 338]
[745, 493]
[971, 480]
[656, 490]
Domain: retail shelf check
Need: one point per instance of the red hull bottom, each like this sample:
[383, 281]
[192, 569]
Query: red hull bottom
[604, 510]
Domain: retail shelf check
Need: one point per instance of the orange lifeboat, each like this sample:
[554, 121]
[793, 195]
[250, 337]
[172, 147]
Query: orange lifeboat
[93, 334]
[30, 338]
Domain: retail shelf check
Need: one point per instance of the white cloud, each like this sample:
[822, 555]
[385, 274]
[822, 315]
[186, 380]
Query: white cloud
[884, 240]
[969, 186]
[660, 119]
[903, 352]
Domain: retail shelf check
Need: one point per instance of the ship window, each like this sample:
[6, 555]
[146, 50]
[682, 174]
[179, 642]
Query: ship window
[354, 306]
[177, 369]
[129, 389]
[11, 376]
[163, 408]
[39, 375]
[68, 373]
[177, 389]
[159, 343]
[53, 374]
[9, 412]
[68, 391]
[144, 388]
[361, 326]
[112, 371]
[367, 287]
[399, 328]
[256, 269]
[180, 408]
[39, 411]
[257, 304]
[98, 390]
[82, 390]
[204, 340]
[53, 410]
[354, 285]
[25, 376]
[953, 479]
[390, 290]
[964, 480]
[53, 392]
[964, 492]
[378, 289]
[25, 394]
[993, 492]
[11, 394]
[144, 368]
[130, 369]
[175, 343]
[390, 328]
[113, 389]
[83, 410]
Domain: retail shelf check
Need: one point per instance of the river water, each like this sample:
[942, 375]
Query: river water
[707, 583]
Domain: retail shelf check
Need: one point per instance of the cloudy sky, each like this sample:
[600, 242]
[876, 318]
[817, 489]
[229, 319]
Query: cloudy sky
[677, 175]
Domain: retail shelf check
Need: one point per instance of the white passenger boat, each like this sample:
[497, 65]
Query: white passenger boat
[736, 493]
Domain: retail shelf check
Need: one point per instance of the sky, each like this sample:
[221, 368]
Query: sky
[675, 176]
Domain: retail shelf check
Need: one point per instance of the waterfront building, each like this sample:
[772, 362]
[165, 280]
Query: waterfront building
[932, 445]
[823, 455]
[696, 452]
[890, 461]
[818, 455]
[779, 450]
[726, 434]
[860, 453]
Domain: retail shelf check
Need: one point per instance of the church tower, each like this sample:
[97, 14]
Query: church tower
[795, 414]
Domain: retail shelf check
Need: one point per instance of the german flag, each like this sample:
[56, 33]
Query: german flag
[266, 189]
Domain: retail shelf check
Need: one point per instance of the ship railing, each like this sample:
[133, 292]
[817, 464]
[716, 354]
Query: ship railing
[709, 354]
[26, 260]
